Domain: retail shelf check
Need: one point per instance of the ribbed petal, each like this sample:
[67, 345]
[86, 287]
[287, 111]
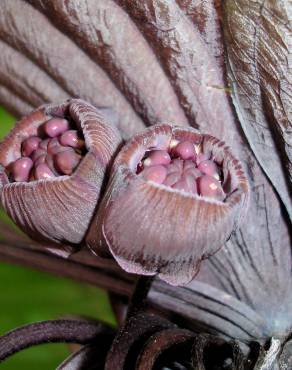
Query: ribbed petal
[54, 52]
[258, 38]
[24, 78]
[189, 62]
[103, 29]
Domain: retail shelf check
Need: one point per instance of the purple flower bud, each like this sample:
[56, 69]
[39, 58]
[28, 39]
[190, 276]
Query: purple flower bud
[56, 126]
[46, 203]
[157, 157]
[185, 150]
[71, 138]
[210, 187]
[37, 154]
[66, 161]
[30, 145]
[42, 172]
[21, 169]
[55, 147]
[208, 167]
[155, 173]
[168, 227]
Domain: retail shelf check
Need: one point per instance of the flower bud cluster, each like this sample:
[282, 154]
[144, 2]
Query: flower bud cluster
[53, 165]
[174, 197]
[165, 201]
[184, 167]
[55, 151]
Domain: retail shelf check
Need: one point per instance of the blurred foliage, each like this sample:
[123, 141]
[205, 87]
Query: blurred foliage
[6, 122]
[28, 296]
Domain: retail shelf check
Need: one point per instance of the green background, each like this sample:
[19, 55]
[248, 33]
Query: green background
[28, 296]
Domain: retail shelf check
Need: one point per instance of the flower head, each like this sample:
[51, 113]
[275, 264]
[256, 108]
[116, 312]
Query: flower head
[174, 198]
[53, 165]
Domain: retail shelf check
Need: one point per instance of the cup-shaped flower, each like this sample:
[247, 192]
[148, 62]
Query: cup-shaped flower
[53, 164]
[173, 199]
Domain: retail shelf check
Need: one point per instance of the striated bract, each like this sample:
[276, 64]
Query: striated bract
[153, 224]
[53, 165]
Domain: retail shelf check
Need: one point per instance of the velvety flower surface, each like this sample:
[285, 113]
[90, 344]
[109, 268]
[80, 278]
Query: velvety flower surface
[176, 73]
[53, 165]
[173, 199]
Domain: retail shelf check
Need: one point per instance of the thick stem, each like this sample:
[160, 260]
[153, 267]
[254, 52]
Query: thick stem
[119, 307]
[137, 304]
[55, 331]
[139, 297]
[184, 304]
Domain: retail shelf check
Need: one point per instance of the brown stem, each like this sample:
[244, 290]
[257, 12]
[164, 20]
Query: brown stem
[139, 296]
[119, 307]
[55, 331]
[181, 305]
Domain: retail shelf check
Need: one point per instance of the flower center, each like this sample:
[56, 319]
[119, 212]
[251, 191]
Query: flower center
[57, 151]
[184, 167]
